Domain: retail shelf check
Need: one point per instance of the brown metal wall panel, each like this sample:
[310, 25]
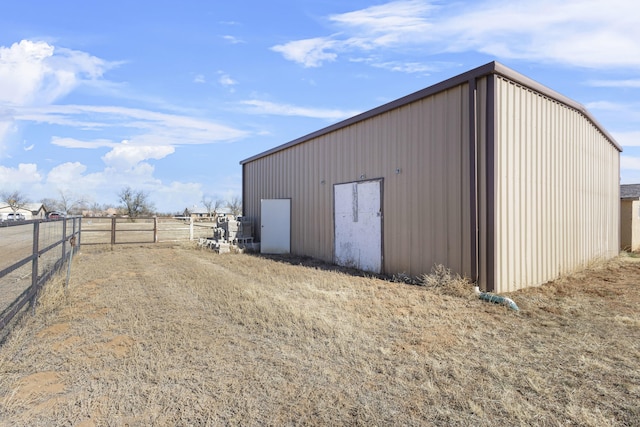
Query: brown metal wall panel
[556, 189]
[425, 204]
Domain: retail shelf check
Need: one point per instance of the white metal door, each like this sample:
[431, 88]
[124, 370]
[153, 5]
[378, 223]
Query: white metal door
[275, 231]
[358, 225]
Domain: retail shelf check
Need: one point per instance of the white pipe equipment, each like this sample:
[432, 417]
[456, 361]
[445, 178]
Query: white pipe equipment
[497, 299]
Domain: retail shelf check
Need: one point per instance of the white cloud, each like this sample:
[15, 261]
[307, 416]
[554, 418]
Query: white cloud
[387, 24]
[179, 195]
[605, 106]
[66, 174]
[309, 52]
[232, 39]
[587, 33]
[35, 74]
[225, 79]
[76, 143]
[24, 174]
[125, 157]
[406, 67]
[199, 78]
[620, 112]
[629, 162]
[266, 107]
[34, 79]
[629, 83]
[142, 127]
[38, 73]
[628, 139]
[103, 186]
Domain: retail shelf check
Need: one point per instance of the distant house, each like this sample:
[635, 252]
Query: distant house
[38, 211]
[200, 213]
[630, 217]
[197, 212]
[29, 210]
[110, 212]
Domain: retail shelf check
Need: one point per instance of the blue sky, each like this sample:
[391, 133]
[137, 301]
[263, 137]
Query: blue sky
[168, 97]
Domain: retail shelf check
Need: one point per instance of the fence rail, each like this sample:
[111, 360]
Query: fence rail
[30, 253]
[120, 230]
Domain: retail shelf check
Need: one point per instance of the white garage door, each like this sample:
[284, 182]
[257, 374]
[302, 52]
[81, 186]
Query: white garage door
[358, 225]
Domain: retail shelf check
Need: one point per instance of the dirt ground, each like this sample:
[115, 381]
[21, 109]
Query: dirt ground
[172, 335]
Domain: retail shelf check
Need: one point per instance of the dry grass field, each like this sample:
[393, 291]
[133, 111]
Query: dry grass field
[171, 335]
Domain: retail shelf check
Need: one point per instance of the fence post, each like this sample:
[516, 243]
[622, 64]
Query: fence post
[34, 264]
[190, 228]
[77, 230]
[155, 229]
[64, 238]
[113, 231]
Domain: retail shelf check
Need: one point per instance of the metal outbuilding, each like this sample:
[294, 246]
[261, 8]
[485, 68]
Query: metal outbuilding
[488, 173]
[630, 217]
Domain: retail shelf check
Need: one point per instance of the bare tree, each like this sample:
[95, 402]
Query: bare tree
[67, 202]
[70, 202]
[15, 199]
[208, 204]
[135, 203]
[235, 205]
[213, 206]
[50, 204]
[219, 203]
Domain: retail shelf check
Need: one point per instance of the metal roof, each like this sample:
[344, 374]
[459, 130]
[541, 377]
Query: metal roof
[630, 191]
[493, 67]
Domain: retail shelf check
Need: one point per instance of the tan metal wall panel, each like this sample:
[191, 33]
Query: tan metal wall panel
[425, 205]
[557, 196]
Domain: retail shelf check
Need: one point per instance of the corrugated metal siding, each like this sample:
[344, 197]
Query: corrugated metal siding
[557, 189]
[481, 186]
[425, 206]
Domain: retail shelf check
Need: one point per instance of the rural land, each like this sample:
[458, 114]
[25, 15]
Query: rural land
[170, 334]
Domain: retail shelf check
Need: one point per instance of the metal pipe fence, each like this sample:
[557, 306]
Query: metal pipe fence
[123, 230]
[31, 252]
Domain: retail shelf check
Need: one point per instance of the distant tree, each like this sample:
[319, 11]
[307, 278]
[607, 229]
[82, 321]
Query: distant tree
[50, 204]
[66, 202]
[96, 209]
[70, 202]
[15, 199]
[212, 206]
[235, 205]
[135, 203]
[208, 204]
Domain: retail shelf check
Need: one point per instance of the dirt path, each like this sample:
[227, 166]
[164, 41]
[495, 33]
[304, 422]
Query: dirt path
[170, 335]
